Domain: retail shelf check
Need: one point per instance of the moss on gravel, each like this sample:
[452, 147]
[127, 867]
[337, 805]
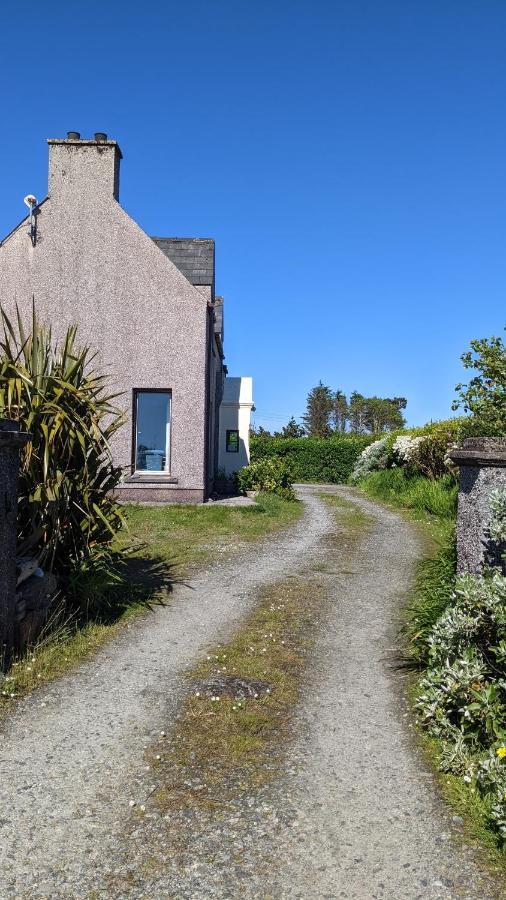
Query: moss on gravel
[216, 738]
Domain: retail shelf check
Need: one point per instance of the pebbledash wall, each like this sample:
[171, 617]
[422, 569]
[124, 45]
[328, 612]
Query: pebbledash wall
[92, 265]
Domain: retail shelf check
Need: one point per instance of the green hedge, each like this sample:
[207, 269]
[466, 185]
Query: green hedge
[313, 459]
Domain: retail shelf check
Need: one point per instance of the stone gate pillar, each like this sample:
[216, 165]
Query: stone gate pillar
[11, 442]
[482, 463]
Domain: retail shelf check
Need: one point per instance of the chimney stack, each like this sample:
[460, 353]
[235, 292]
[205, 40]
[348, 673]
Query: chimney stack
[83, 170]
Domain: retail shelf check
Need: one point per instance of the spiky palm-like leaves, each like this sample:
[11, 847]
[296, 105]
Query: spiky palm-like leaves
[67, 514]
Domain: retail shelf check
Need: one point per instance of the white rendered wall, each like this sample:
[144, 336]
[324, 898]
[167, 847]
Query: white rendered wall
[235, 414]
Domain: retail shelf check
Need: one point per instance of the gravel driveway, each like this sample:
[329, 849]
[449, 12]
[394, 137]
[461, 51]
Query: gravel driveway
[355, 815]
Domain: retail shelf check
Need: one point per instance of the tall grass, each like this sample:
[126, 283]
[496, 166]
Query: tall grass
[433, 590]
[437, 497]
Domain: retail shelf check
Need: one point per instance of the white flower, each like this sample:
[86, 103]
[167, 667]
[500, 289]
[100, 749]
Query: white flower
[405, 448]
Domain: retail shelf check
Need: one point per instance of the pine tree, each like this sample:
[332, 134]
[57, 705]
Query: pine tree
[292, 429]
[340, 412]
[320, 403]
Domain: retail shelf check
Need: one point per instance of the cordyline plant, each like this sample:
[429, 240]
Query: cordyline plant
[67, 514]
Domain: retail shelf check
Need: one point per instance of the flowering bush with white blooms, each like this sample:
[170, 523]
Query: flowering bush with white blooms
[426, 454]
[463, 694]
[405, 449]
[376, 456]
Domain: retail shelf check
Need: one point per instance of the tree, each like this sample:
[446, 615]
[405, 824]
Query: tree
[260, 432]
[320, 403]
[399, 402]
[292, 429]
[484, 397]
[383, 414]
[357, 412]
[375, 414]
[340, 412]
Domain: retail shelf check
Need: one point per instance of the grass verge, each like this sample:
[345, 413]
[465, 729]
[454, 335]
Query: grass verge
[190, 536]
[176, 540]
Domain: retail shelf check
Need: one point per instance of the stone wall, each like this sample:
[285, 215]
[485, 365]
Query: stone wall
[482, 463]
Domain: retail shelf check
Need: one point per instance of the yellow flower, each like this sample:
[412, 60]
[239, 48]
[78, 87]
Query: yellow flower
[501, 752]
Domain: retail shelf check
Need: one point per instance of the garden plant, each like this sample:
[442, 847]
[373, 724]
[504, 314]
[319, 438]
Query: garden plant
[68, 517]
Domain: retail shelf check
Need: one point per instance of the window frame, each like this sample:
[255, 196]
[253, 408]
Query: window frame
[232, 431]
[143, 473]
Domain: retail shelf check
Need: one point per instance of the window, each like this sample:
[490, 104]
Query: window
[232, 441]
[152, 431]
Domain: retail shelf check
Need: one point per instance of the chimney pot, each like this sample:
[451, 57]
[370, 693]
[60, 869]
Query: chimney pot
[100, 137]
[73, 136]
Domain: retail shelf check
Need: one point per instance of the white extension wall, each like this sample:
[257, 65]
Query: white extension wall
[235, 415]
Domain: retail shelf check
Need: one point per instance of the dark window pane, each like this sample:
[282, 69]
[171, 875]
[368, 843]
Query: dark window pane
[232, 445]
[152, 437]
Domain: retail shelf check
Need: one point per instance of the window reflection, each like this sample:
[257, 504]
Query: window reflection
[152, 431]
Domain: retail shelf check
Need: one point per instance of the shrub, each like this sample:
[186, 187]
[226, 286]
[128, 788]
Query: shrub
[463, 695]
[432, 459]
[405, 450]
[426, 454]
[313, 459]
[67, 514]
[495, 548]
[270, 475]
[373, 458]
[453, 427]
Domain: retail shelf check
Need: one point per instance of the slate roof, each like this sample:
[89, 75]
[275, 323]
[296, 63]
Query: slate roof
[219, 327]
[194, 257]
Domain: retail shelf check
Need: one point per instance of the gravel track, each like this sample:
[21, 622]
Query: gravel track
[355, 814]
[368, 820]
[71, 756]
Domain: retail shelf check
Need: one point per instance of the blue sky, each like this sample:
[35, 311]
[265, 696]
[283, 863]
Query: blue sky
[349, 158]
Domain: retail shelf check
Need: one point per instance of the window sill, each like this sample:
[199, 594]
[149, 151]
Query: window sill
[143, 478]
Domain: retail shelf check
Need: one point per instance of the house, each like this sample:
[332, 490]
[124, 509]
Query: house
[148, 307]
[235, 419]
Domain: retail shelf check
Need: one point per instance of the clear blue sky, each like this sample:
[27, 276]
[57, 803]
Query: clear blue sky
[349, 158]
